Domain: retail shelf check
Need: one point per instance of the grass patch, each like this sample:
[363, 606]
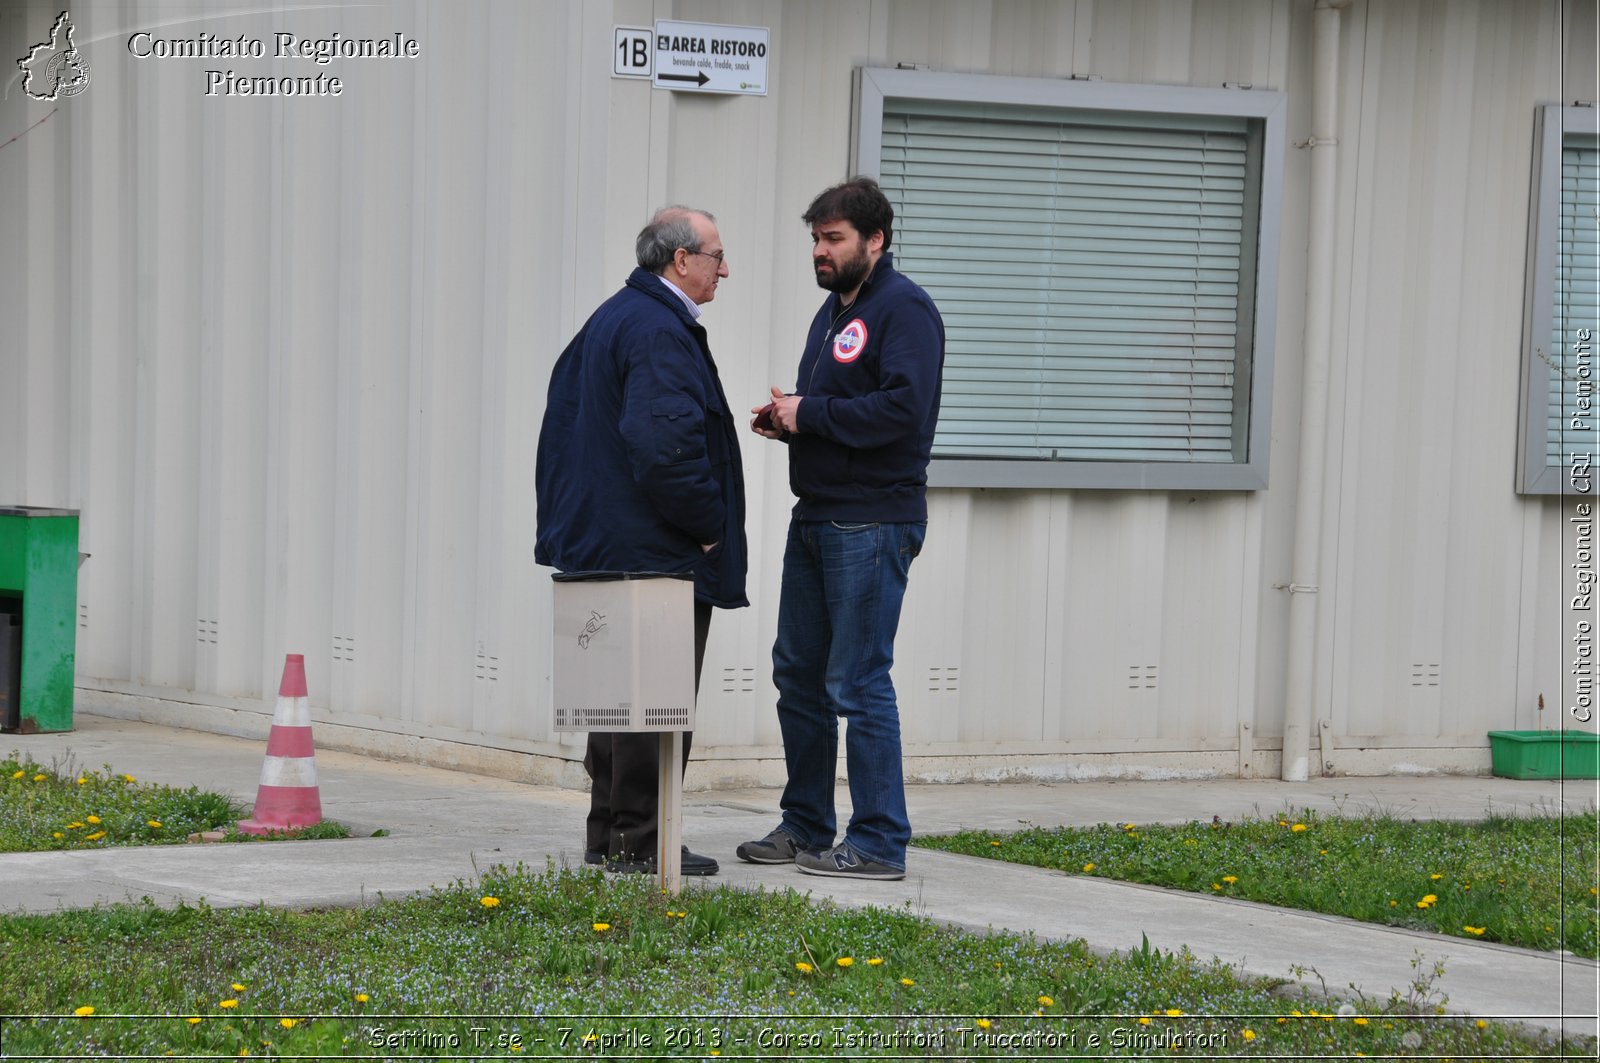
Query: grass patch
[574, 962]
[58, 807]
[1529, 882]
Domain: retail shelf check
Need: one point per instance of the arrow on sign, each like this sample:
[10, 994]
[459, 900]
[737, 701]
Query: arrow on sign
[699, 78]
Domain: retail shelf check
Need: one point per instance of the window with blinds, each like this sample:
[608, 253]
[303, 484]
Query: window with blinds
[1094, 274]
[1104, 256]
[1576, 298]
[1559, 445]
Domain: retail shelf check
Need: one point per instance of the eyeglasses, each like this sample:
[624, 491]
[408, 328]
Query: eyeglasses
[718, 255]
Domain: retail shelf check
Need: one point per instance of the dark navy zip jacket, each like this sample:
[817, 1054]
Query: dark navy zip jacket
[638, 459]
[870, 380]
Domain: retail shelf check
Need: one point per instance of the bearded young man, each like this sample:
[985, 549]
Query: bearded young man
[859, 427]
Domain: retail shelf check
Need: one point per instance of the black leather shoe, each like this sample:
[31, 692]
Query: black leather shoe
[690, 864]
[594, 856]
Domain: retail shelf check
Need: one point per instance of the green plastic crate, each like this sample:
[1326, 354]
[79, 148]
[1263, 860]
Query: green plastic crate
[1545, 754]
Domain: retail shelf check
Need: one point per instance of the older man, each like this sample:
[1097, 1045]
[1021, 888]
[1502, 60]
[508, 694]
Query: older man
[639, 470]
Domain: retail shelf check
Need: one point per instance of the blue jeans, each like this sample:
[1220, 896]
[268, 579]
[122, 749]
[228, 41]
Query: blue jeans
[842, 589]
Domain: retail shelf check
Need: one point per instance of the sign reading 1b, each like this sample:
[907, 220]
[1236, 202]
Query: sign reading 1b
[633, 55]
[699, 57]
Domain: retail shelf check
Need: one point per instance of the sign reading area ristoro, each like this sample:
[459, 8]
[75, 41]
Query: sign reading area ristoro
[697, 57]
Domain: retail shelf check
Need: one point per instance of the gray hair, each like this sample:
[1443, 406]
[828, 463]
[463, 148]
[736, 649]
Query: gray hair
[670, 229]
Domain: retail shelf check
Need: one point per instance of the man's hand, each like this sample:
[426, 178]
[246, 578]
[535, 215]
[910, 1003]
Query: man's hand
[782, 414]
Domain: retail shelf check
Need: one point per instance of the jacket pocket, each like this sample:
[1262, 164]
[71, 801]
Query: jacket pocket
[677, 426]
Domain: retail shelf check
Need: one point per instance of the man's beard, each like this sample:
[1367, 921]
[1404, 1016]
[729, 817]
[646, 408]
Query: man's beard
[847, 276]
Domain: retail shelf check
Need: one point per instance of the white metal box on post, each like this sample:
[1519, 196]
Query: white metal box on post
[623, 660]
[624, 652]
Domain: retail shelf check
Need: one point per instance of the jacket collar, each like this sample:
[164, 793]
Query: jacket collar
[881, 269]
[656, 288]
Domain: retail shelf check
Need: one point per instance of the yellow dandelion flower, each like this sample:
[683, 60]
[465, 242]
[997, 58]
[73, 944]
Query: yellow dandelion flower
[129, 778]
[907, 982]
[1482, 1024]
[845, 961]
[1435, 877]
[1248, 1034]
[601, 928]
[194, 1020]
[1230, 879]
[153, 824]
[1299, 828]
[1088, 867]
[57, 834]
[995, 844]
[1216, 885]
[287, 1024]
[1282, 1019]
[803, 967]
[74, 825]
[83, 1011]
[96, 836]
[92, 819]
[1394, 904]
[1144, 1020]
[229, 1003]
[1477, 930]
[494, 902]
[1173, 1013]
[238, 987]
[984, 1024]
[1129, 826]
[362, 998]
[82, 781]
[41, 777]
[1046, 1002]
[18, 774]
[876, 961]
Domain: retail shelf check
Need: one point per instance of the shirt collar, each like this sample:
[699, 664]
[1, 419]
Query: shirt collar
[694, 308]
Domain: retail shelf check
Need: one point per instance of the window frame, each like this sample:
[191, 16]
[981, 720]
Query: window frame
[874, 86]
[1553, 122]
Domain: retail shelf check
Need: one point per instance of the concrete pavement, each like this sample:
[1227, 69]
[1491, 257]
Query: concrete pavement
[445, 825]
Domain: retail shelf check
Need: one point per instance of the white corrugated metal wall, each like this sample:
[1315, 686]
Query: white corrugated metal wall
[289, 358]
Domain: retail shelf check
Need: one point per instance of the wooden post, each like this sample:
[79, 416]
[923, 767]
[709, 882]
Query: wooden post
[669, 813]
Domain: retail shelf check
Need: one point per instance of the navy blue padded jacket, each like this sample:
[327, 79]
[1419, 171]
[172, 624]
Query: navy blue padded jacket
[638, 460]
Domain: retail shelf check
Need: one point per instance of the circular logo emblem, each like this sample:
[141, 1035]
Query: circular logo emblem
[68, 73]
[850, 342]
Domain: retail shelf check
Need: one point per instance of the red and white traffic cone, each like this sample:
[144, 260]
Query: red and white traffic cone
[288, 797]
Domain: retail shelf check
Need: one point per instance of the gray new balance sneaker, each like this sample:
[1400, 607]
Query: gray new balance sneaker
[844, 862]
[778, 847]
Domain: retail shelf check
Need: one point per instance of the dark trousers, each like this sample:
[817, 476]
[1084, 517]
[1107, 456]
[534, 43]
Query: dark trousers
[624, 770]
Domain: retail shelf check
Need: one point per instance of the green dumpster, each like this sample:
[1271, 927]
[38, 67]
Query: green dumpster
[38, 617]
